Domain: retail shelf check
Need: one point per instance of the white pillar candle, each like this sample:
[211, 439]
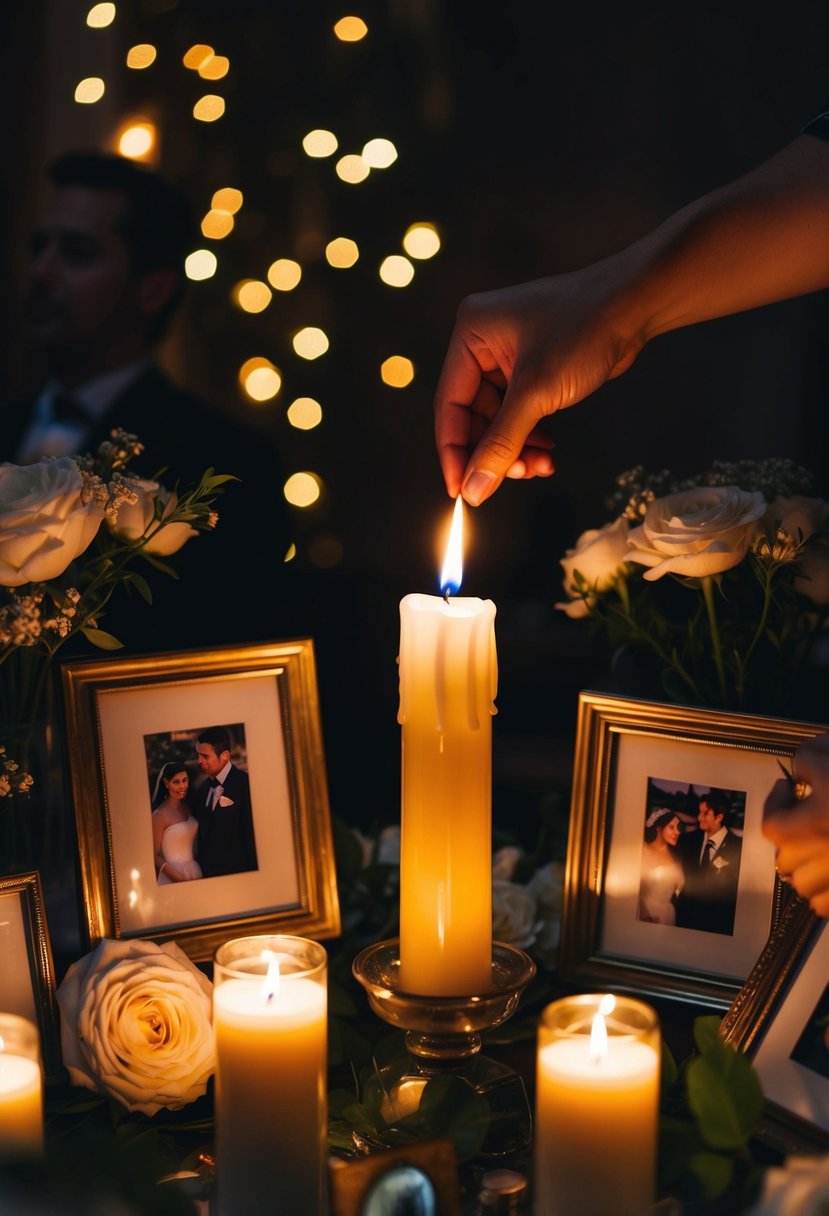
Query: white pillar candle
[448, 678]
[21, 1087]
[597, 1107]
[271, 1082]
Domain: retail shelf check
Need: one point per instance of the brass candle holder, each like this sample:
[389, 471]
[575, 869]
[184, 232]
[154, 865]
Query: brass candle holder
[443, 1035]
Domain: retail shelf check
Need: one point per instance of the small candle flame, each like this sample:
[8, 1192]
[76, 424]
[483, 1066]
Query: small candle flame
[598, 1030]
[270, 986]
[451, 576]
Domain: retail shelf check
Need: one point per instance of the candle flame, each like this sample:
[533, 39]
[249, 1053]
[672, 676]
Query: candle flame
[451, 576]
[607, 1004]
[598, 1031]
[270, 986]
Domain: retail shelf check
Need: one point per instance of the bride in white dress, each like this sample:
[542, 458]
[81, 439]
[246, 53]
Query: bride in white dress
[662, 876]
[174, 827]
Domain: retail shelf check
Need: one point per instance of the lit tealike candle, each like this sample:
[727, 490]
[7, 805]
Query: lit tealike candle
[597, 1106]
[21, 1087]
[269, 1019]
[448, 677]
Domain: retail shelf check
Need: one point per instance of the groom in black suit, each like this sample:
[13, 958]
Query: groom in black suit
[710, 858]
[225, 842]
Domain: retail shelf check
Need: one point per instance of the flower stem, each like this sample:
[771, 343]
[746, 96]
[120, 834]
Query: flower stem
[708, 594]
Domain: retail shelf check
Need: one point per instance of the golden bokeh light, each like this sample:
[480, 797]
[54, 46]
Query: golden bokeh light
[141, 56]
[198, 56]
[227, 199]
[319, 143]
[216, 225]
[379, 153]
[200, 264]
[284, 274]
[305, 413]
[396, 271]
[209, 108]
[214, 68]
[397, 371]
[260, 378]
[89, 90]
[252, 295]
[310, 342]
[352, 169]
[350, 29]
[100, 16]
[342, 252]
[290, 553]
[421, 240]
[302, 489]
[137, 140]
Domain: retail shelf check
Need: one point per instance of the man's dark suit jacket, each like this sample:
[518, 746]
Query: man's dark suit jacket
[225, 843]
[230, 581]
[709, 898]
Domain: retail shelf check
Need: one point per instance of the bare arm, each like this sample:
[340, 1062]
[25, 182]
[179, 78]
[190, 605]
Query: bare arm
[522, 353]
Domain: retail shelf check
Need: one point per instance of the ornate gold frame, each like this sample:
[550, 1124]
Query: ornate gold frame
[292, 664]
[757, 1004]
[602, 721]
[41, 967]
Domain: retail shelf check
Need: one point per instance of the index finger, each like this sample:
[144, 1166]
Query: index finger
[458, 386]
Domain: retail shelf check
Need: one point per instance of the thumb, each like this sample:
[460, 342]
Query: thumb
[500, 445]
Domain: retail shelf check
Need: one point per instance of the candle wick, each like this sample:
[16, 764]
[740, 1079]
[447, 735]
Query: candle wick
[446, 596]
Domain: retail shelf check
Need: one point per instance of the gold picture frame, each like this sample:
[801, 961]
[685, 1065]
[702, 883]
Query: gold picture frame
[123, 715]
[630, 756]
[779, 1020]
[27, 974]
[431, 1165]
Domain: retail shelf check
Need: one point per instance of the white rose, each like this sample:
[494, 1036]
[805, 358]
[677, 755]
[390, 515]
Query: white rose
[813, 581]
[798, 516]
[135, 518]
[800, 1188]
[44, 525]
[505, 860]
[696, 532]
[547, 887]
[513, 914]
[388, 846]
[599, 556]
[136, 1024]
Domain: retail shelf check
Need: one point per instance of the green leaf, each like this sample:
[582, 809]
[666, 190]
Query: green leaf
[725, 1096]
[706, 1032]
[140, 583]
[712, 1172]
[668, 1071]
[678, 1142]
[157, 564]
[100, 638]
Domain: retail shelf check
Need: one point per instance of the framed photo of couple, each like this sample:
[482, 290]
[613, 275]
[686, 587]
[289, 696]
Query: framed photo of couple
[670, 887]
[200, 795]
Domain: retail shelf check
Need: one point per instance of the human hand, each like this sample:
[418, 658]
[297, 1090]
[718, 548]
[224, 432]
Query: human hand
[516, 356]
[799, 827]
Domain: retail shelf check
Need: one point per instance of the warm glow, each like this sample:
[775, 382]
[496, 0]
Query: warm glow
[352, 169]
[379, 153]
[227, 199]
[197, 56]
[350, 29]
[290, 553]
[319, 143]
[260, 379]
[302, 489]
[284, 274]
[100, 16]
[607, 1004]
[310, 342]
[451, 576]
[598, 1038]
[209, 108]
[89, 90]
[270, 985]
[325, 551]
[215, 68]
[305, 413]
[252, 295]
[396, 271]
[137, 140]
[216, 225]
[200, 264]
[421, 241]
[342, 252]
[397, 371]
[141, 56]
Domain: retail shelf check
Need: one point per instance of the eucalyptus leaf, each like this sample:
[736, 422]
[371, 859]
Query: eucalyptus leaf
[100, 638]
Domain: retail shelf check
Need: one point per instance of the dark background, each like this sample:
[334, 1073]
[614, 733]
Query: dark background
[538, 137]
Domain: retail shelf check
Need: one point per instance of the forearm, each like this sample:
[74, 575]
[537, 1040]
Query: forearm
[762, 238]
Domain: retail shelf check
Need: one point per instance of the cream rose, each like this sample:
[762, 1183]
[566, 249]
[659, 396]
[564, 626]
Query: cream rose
[547, 887]
[136, 1025]
[135, 518]
[504, 861]
[696, 532]
[44, 523]
[798, 516]
[599, 556]
[513, 914]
